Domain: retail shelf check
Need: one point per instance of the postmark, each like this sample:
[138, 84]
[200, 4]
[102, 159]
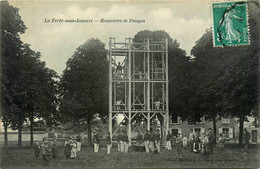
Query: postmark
[230, 24]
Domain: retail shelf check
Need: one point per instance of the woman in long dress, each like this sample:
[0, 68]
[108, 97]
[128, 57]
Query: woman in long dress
[73, 153]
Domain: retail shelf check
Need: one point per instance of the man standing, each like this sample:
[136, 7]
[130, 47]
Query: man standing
[168, 141]
[96, 142]
[109, 143]
[211, 140]
[125, 142]
[152, 141]
[245, 140]
[191, 140]
[146, 141]
[139, 138]
[178, 145]
[158, 140]
[79, 142]
[185, 141]
[119, 142]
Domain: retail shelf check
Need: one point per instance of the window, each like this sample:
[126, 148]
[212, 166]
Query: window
[174, 118]
[197, 130]
[174, 132]
[225, 120]
[226, 132]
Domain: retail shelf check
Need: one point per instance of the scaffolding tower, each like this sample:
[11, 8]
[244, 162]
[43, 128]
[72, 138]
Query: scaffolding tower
[138, 82]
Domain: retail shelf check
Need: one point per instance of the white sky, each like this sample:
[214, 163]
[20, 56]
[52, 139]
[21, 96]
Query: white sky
[185, 21]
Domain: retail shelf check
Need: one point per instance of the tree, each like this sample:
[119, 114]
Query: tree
[209, 64]
[84, 85]
[11, 91]
[240, 81]
[40, 88]
[226, 78]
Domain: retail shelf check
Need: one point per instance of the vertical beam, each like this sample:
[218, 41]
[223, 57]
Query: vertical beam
[167, 85]
[130, 127]
[148, 87]
[125, 93]
[110, 88]
[163, 96]
[129, 93]
[114, 91]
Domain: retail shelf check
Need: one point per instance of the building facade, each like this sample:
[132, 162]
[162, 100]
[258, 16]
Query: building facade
[225, 126]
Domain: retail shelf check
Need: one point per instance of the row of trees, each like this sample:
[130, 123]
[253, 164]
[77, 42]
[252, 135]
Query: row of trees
[215, 82]
[28, 87]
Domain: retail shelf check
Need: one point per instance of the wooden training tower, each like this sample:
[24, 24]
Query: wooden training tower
[138, 85]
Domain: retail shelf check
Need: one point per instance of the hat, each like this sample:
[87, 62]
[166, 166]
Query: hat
[210, 129]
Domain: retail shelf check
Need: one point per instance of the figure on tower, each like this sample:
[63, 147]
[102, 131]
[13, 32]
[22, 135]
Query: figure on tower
[119, 69]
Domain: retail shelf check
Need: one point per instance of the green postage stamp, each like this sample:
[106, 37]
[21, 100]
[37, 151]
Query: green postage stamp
[230, 24]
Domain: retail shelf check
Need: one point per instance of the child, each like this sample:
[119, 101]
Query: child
[37, 149]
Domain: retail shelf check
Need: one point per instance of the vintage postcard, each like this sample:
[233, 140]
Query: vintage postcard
[129, 84]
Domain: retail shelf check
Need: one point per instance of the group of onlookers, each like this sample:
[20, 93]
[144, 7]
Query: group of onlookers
[203, 143]
[49, 150]
[71, 147]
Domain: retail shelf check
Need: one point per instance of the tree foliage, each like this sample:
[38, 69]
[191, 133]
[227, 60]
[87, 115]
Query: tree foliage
[84, 84]
[11, 51]
[40, 87]
[226, 79]
[27, 85]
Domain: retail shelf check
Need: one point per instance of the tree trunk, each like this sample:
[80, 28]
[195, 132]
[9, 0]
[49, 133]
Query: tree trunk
[20, 135]
[214, 127]
[241, 126]
[31, 121]
[89, 133]
[5, 134]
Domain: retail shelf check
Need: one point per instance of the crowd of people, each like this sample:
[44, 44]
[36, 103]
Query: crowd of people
[151, 141]
[49, 150]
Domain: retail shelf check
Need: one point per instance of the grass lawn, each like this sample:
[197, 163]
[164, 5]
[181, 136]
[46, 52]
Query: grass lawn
[231, 157]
